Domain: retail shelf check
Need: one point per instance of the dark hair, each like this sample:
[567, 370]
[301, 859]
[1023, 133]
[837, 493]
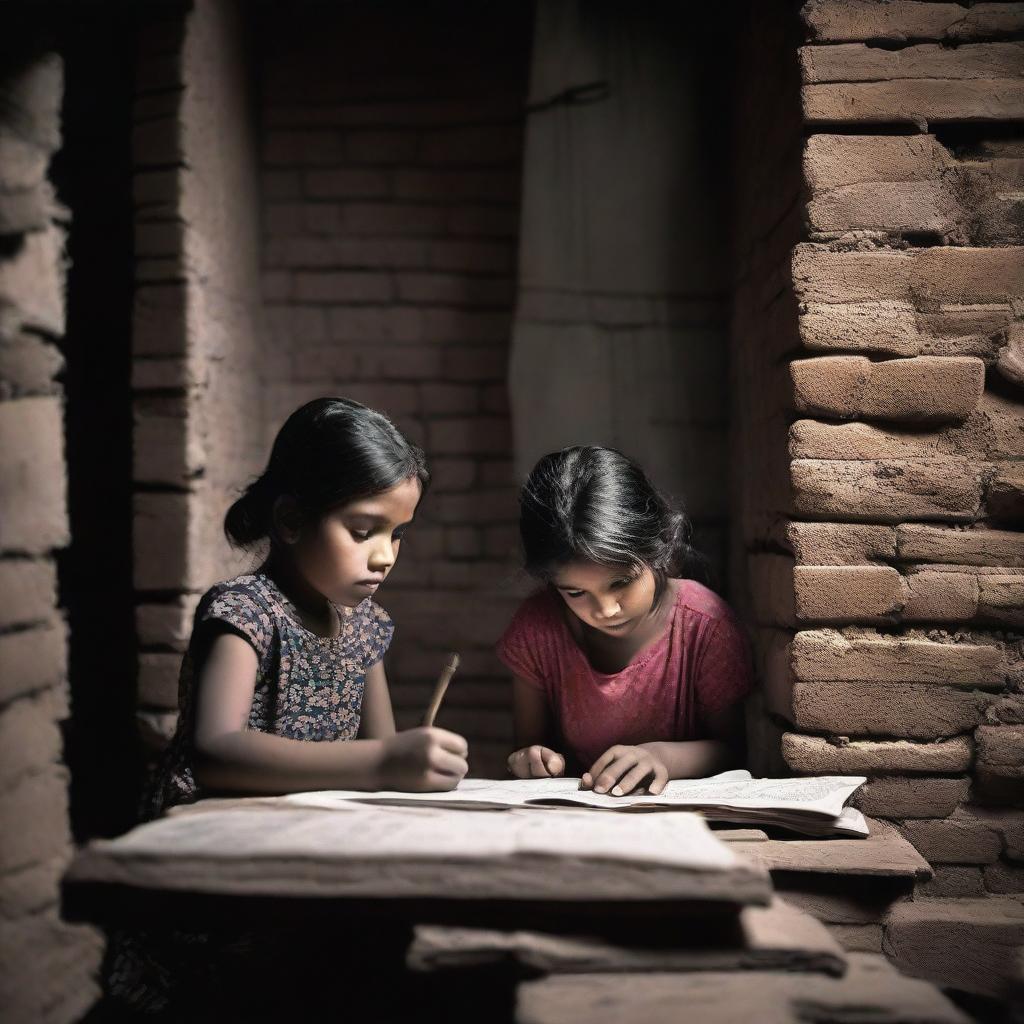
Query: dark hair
[329, 452]
[595, 504]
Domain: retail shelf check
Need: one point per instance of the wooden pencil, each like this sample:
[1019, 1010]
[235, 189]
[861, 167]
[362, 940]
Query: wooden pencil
[442, 684]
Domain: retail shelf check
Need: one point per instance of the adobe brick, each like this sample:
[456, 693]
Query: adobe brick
[345, 183]
[479, 257]
[953, 841]
[449, 399]
[409, 220]
[914, 102]
[281, 184]
[952, 880]
[30, 739]
[477, 435]
[925, 388]
[901, 20]
[381, 147]
[1001, 750]
[462, 542]
[481, 506]
[27, 367]
[827, 654]
[840, 543]
[455, 289]
[166, 625]
[847, 593]
[32, 476]
[28, 591]
[1004, 878]
[370, 253]
[815, 755]
[376, 324]
[1001, 599]
[468, 326]
[856, 62]
[341, 286]
[922, 543]
[479, 364]
[287, 148]
[483, 221]
[908, 711]
[158, 680]
[484, 144]
[897, 796]
[32, 283]
[886, 490]
[38, 803]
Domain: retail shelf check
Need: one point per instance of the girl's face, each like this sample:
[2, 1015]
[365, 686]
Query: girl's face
[612, 599]
[350, 551]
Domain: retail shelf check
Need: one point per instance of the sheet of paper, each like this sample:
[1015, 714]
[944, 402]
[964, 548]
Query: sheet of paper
[824, 796]
[380, 833]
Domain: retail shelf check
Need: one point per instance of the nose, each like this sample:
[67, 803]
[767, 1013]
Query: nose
[607, 608]
[382, 556]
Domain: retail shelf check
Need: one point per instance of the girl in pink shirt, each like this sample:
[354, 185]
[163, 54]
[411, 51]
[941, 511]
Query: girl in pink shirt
[625, 670]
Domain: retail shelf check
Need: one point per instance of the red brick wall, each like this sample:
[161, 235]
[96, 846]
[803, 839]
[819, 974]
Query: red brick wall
[391, 153]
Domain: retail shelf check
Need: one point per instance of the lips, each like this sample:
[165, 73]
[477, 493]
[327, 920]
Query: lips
[374, 582]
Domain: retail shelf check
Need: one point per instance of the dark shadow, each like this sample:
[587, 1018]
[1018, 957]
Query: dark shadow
[92, 173]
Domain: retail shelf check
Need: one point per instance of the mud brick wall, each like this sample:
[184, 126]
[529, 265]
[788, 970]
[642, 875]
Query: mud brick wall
[885, 567]
[46, 966]
[197, 347]
[390, 215]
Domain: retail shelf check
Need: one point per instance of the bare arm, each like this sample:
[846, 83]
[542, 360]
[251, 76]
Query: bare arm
[695, 759]
[229, 756]
[532, 722]
[378, 719]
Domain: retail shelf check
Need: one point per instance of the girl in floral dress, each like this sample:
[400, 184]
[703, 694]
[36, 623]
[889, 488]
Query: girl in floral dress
[282, 688]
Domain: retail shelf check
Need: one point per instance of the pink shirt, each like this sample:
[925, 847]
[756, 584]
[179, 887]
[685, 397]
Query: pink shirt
[699, 665]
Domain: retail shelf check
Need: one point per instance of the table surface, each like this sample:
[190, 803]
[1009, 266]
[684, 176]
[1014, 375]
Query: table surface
[236, 857]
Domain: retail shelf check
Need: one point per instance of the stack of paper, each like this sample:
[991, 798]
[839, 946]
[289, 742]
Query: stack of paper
[811, 806]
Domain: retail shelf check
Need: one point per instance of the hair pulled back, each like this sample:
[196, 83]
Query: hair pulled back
[594, 504]
[329, 452]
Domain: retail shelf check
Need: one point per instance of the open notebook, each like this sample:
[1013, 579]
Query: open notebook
[812, 806]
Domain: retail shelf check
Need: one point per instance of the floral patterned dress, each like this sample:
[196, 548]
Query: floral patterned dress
[308, 687]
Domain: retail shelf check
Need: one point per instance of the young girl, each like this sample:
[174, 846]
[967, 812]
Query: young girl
[624, 671]
[283, 688]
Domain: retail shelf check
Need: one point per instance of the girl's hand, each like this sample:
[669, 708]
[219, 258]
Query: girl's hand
[536, 762]
[624, 769]
[423, 760]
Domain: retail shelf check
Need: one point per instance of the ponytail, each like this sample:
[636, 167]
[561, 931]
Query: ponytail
[330, 452]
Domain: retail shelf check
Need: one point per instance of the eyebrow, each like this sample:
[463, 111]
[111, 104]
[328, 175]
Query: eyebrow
[375, 517]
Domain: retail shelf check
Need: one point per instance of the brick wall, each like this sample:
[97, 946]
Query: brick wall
[882, 310]
[391, 153]
[46, 967]
[196, 375]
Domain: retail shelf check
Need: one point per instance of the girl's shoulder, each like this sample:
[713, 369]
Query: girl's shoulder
[539, 614]
[250, 591]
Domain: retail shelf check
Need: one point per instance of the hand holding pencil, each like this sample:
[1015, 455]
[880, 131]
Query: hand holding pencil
[426, 759]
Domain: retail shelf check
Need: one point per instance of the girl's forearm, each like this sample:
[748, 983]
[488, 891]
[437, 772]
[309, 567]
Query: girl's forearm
[256, 762]
[694, 759]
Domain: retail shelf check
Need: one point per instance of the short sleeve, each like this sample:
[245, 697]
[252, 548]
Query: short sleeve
[238, 612]
[376, 634]
[518, 650]
[725, 676]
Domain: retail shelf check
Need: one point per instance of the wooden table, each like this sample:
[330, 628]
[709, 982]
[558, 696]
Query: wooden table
[341, 892]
